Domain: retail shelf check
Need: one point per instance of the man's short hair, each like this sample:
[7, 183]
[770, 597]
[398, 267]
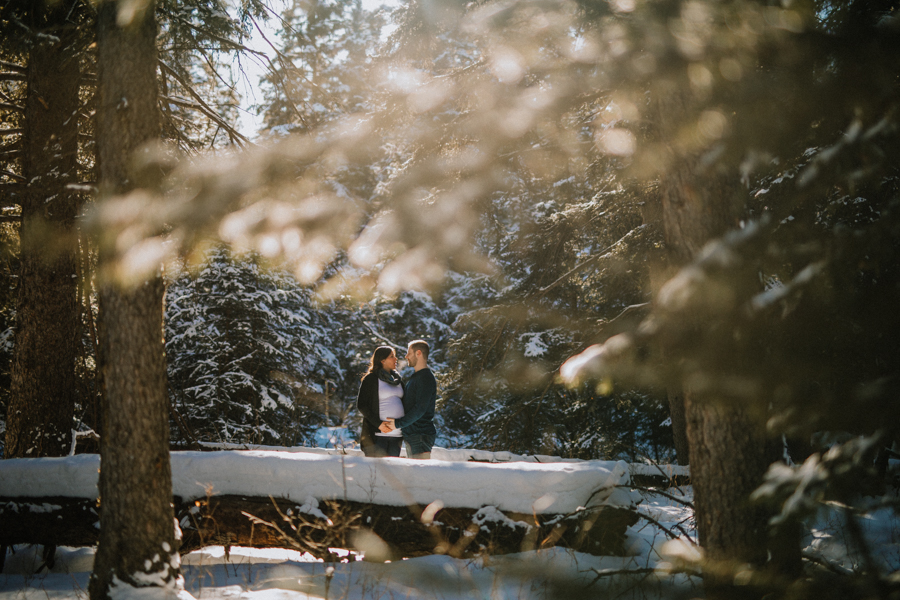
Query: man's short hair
[419, 345]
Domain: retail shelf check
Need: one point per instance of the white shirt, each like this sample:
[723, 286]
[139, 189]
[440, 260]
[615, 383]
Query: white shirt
[390, 405]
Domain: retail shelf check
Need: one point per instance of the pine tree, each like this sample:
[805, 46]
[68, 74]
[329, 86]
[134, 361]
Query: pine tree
[327, 52]
[249, 361]
[43, 387]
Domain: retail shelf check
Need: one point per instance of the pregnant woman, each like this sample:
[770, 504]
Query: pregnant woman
[380, 398]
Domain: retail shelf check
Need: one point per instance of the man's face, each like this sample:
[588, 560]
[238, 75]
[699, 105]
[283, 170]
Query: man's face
[411, 358]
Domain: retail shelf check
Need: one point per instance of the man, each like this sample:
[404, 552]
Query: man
[417, 423]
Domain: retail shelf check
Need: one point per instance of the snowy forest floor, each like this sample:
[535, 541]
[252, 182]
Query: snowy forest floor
[551, 573]
[285, 574]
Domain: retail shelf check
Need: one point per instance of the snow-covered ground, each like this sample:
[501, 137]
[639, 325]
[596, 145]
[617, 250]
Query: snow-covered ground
[510, 482]
[655, 543]
[284, 574]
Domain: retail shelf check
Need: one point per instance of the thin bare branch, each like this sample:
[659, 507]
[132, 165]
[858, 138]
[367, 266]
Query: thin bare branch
[660, 492]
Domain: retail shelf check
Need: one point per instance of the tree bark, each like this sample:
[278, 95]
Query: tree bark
[675, 396]
[728, 448]
[137, 534]
[42, 395]
[660, 267]
[727, 442]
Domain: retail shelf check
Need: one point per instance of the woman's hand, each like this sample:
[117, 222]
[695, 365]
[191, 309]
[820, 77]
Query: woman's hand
[387, 426]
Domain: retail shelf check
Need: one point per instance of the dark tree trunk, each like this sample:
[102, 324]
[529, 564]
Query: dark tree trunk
[727, 442]
[43, 384]
[137, 533]
[728, 448]
[660, 267]
[679, 425]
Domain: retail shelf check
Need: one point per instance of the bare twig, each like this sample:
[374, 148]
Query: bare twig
[666, 530]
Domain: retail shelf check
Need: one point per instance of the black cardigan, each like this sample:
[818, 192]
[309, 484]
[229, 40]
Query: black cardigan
[367, 405]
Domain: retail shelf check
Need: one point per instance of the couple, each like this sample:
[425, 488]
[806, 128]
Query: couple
[394, 412]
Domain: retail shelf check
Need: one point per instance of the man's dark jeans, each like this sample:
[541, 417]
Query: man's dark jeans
[418, 445]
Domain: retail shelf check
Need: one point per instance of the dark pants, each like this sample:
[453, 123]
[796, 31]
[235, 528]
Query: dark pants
[418, 445]
[385, 446]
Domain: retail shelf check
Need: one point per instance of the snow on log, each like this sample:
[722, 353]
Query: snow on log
[314, 502]
[642, 474]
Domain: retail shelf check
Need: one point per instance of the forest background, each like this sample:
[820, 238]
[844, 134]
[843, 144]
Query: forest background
[703, 195]
[255, 356]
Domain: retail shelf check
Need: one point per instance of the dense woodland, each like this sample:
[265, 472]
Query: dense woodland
[660, 230]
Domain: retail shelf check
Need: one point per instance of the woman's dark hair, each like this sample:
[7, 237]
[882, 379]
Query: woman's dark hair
[381, 353]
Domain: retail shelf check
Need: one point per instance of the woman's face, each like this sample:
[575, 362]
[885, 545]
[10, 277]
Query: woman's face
[390, 363]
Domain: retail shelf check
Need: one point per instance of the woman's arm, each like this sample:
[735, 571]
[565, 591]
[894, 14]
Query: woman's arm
[367, 399]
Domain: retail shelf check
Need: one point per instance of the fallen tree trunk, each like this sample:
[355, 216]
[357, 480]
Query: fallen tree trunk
[382, 532]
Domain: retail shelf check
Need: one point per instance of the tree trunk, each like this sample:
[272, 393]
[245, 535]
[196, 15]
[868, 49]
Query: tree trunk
[137, 535]
[679, 424]
[726, 441]
[43, 384]
[728, 448]
[660, 267]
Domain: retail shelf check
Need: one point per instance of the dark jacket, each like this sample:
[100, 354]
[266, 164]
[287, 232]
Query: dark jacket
[419, 399]
[367, 405]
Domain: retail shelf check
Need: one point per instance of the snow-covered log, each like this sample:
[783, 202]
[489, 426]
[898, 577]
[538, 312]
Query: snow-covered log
[641, 474]
[377, 530]
[313, 502]
[398, 531]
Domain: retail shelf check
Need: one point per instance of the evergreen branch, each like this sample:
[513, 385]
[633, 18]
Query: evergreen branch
[182, 102]
[13, 66]
[11, 76]
[231, 44]
[286, 63]
[12, 175]
[825, 564]
[14, 131]
[85, 186]
[613, 572]
[380, 336]
[588, 262]
[234, 134]
[180, 421]
[12, 107]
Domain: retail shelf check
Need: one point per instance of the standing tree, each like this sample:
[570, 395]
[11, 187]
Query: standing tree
[43, 380]
[138, 544]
